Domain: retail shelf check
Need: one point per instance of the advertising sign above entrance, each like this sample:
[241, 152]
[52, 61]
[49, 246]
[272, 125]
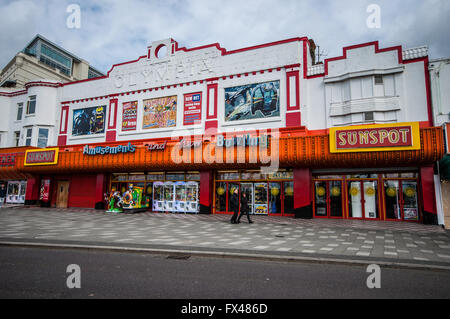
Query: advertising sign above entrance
[99, 150]
[7, 159]
[370, 138]
[48, 156]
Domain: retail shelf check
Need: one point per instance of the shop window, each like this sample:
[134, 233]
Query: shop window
[175, 177]
[228, 176]
[155, 176]
[221, 197]
[281, 175]
[136, 177]
[193, 176]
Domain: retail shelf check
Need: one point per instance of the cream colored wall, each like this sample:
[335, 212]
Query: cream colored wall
[445, 186]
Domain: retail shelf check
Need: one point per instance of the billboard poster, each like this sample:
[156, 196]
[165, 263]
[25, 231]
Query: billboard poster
[192, 109]
[252, 101]
[160, 112]
[129, 116]
[89, 121]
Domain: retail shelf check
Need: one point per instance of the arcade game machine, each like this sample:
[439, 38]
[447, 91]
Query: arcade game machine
[158, 197]
[180, 197]
[192, 205]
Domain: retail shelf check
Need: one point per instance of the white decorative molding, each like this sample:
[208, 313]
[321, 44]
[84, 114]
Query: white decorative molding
[316, 69]
[415, 53]
[374, 104]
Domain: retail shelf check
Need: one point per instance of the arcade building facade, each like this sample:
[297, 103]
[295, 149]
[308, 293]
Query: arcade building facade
[350, 138]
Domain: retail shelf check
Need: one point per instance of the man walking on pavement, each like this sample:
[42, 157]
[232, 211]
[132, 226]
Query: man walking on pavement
[244, 208]
[2, 194]
[234, 205]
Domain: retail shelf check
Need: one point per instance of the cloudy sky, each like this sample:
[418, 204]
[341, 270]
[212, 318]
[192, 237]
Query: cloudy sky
[114, 31]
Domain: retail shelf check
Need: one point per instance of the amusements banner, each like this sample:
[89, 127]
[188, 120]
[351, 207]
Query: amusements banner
[160, 112]
[252, 101]
[129, 116]
[89, 121]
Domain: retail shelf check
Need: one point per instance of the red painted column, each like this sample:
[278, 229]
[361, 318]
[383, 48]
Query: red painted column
[32, 191]
[206, 192]
[428, 195]
[99, 191]
[302, 193]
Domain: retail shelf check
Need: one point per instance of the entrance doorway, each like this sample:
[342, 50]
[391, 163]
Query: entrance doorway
[363, 199]
[264, 198]
[401, 200]
[328, 199]
[62, 195]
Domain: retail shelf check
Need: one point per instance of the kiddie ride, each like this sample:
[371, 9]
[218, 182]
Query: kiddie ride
[129, 203]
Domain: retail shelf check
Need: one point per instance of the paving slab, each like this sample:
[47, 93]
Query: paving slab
[374, 240]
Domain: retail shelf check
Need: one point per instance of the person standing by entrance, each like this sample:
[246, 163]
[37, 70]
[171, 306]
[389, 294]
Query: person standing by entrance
[234, 205]
[2, 194]
[244, 208]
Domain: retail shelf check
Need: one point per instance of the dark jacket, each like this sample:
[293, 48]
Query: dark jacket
[234, 203]
[244, 204]
[3, 192]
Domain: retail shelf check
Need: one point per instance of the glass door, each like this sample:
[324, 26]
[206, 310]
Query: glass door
[363, 199]
[328, 199]
[275, 198]
[192, 205]
[158, 196]
[180, 197]
[260, 190]
[401, 201]
[247, 188]
[410, 201]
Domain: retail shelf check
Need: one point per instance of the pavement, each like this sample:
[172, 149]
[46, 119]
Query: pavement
[394, 244]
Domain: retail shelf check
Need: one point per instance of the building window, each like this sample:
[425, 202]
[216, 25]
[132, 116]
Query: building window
[31, 105]
[368, 116]
[42, 138]
[56, 60]
[16, 138]
[378, 79]
[28, 138]
[19, 111]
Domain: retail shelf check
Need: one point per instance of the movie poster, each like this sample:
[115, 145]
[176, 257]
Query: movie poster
[192, 109]
[89, 121]
[160, 112]
[129, 116]
[252, 101]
